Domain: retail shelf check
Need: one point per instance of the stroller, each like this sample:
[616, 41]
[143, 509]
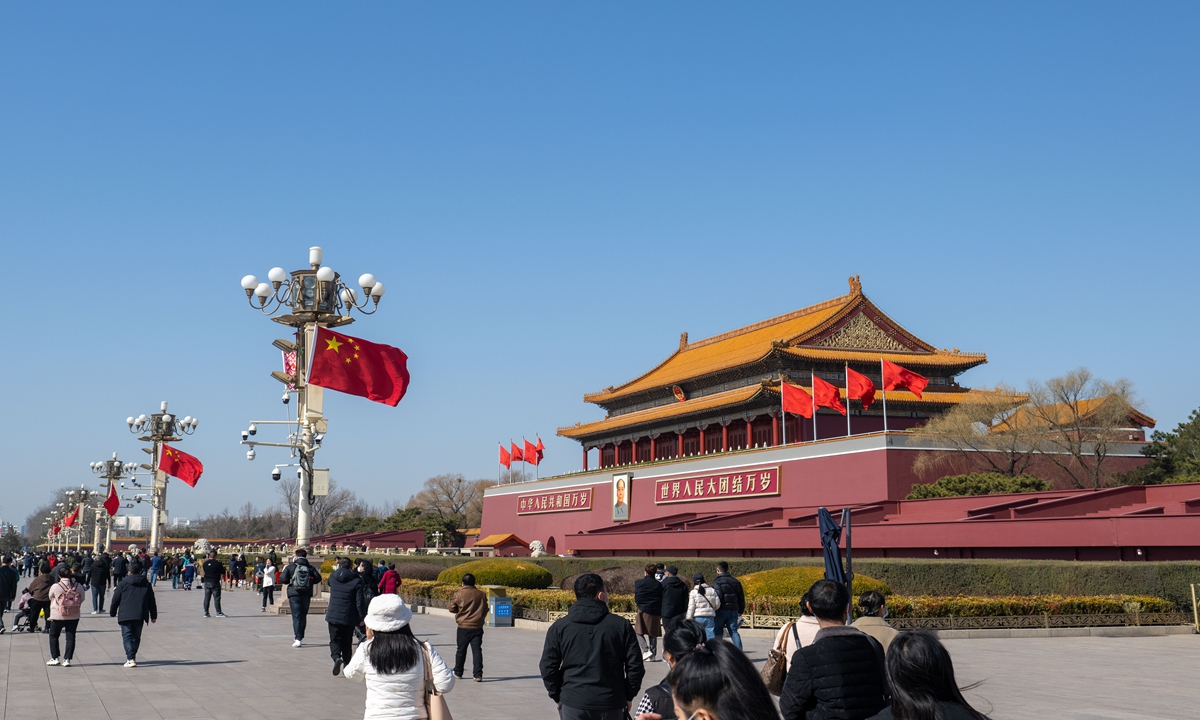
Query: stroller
[23, 622]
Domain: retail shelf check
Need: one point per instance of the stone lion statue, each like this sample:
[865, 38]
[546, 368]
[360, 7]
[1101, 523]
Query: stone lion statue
[537, 549]
[201, 546]
[133, 548]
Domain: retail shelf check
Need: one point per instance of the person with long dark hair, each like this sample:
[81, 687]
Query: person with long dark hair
[921, 676]
[656, 702]
[716, 681]
[393, 664]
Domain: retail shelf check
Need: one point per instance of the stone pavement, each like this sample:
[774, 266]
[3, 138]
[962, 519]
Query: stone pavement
[244, 666]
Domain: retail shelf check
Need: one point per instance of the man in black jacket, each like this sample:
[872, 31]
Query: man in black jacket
[212, 570]
[591, 665]
[733, 603]
[132, 605]
[841, 675]
[120, 566]
[299, 577]
[674, 599]
[647, 625]
[8, 587]
[98, 579]
[347, 608]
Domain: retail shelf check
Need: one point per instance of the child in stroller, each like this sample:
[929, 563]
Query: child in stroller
[22, 623]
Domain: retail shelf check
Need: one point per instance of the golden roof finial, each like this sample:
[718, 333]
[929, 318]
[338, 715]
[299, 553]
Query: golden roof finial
[682, 340]
[855, 285]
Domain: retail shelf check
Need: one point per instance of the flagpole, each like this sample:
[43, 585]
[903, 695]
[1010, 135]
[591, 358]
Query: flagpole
[847, 399]
[814, 402]
[782, 411]
[883, 386]
[498, 466]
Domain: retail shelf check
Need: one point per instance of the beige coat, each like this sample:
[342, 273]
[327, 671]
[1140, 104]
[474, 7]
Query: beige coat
[806, 629]
[876, 628]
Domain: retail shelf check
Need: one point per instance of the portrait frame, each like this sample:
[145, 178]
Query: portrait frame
[622, 490]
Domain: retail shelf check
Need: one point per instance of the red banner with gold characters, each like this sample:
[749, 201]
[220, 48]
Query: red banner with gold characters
[751, 482]
[555, 501]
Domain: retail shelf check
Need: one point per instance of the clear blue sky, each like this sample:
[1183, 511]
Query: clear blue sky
[553, 192]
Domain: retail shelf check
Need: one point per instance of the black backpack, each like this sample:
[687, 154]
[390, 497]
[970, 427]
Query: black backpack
[301, 577]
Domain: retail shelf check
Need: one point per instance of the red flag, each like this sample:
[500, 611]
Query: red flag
[54, 529]
[357, 367]
[859, 387]
[69, 521]
[530, 453]
[505, 458]
[516, 453]
[177, 463]
[112, 503]
[797, 400]
[895, 376]
[541, 450]
[826, 395]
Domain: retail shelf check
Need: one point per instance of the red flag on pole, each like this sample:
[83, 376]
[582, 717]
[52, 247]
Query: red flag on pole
[531, 453]
[541, 450]
[797, 400]
[357, 367]
[112, 502]
[69, 521]
[827, 395]
[895, 376]
[860, 387]
[505, 458]
[517, 455]
[177, 463]
[54, 529]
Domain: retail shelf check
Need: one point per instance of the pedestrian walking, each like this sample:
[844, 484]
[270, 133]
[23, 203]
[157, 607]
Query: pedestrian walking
[677, 644]
[347, 608]
[120, 567]
[389, 582]
[66, 600]
[85, 567]
[156, 564]
[299, 577]
[98, 579]
[647, 623]
[703, 603]
[132, 605]
[367, 571]
[401, 673]
[9, 580]
[921, 677]
[716, 681]
[841, 674]
[591, 665]
[211, 580]
[189, 573]
[872, 610]
[675, 599]
[268, 585]
[733, 604]
[470, 608]
[39, 590]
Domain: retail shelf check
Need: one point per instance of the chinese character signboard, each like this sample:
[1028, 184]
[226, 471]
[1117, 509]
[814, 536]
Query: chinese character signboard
[744, 483]
[555, 501]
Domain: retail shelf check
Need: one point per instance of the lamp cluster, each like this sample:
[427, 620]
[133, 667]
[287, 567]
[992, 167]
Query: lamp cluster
[316, 291]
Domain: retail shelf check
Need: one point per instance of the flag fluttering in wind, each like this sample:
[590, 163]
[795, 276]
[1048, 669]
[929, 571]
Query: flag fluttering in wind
[530, 454]
[827, 395]
[859, 387]
[505, 458]
[177, 463]
[796, 400]
[895, 377]
[541, 451]
[357, 367]
[69, 521]
[517, 455]
[112, 503]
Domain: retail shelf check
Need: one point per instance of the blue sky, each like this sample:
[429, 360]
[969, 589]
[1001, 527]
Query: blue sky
[553, 192]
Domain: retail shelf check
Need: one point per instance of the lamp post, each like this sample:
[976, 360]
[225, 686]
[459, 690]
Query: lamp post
[110, 471]
[315, 297]
[157, 429]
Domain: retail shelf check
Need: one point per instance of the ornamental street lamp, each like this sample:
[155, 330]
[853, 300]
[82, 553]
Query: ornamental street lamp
[315, 297]
[110, 471]
[157, 429]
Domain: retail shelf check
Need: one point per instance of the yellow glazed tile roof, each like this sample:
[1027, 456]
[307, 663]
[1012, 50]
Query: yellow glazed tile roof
[664, 412]
[1025, 416]
[939, 359]
[494, 540]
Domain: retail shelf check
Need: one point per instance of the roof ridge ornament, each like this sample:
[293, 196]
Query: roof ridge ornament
[683, 340]
[855, 285]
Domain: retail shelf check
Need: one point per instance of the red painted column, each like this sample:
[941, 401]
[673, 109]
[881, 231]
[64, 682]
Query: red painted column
[775, 431]
[679, 445]
[585, 452]
[702, 448]
[749, 434]
[653, 450]
[724, 438]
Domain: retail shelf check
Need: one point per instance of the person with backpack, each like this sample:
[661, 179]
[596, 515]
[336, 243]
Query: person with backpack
[211, 580]
[733, 604]
[703, 604]
[66, 600]
[132, 605]
[299, 577]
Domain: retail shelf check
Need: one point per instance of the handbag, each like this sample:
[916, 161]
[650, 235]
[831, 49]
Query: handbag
[774, 670]
[435, 702]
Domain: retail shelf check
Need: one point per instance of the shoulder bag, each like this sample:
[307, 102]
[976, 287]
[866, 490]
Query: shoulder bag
[774, 670]
[435, 702]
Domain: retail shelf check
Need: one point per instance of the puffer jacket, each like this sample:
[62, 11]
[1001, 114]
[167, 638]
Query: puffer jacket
[841, 676]
[648, 595]
[674, 598]
[133, 600]
[705, 605]
[591, 659]
[400, 696]
[347, 598]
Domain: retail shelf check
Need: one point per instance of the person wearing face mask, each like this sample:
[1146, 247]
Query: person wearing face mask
[873, 609]
[716, 681]
[656, 702]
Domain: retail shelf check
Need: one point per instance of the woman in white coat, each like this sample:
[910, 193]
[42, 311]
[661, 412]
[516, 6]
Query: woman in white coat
[703, 604]
[393, 662]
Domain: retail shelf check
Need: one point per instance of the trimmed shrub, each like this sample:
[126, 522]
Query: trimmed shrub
[795, 581]
[500, 571]
[978, 484]
[966, 606]
[326, 569]
[617, 580]
[418, 571]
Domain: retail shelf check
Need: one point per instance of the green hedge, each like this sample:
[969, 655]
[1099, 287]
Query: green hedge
[795, 581]
[961, 606]
[418, 570]
[979, 484]
[500, 571]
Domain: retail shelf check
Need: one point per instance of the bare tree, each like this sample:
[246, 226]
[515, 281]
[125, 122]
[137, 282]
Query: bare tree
[289, 493]
[450, 496]
[515, 474]
[979, 432]
[327, 508]
[33, 522]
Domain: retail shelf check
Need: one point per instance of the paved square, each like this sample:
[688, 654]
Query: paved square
[244, 666]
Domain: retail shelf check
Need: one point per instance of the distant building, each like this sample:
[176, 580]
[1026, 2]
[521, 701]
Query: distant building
[180, 522]
[131, 523]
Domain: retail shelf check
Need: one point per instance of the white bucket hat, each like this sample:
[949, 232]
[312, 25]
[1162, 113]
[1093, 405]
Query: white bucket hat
[387, 613]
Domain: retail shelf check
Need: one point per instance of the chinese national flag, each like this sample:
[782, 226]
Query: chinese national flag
[505, 458]
[826, 395]
[859, 387]
[54, 528]
[530, 454]
[796, 400]
[517, 456]
[177, 463]
[112, 503]
[541, 451]
[895, 376]
[357, 367]
[69, 521]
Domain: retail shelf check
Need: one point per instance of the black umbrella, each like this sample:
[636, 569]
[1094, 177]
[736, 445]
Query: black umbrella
[831, 534]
